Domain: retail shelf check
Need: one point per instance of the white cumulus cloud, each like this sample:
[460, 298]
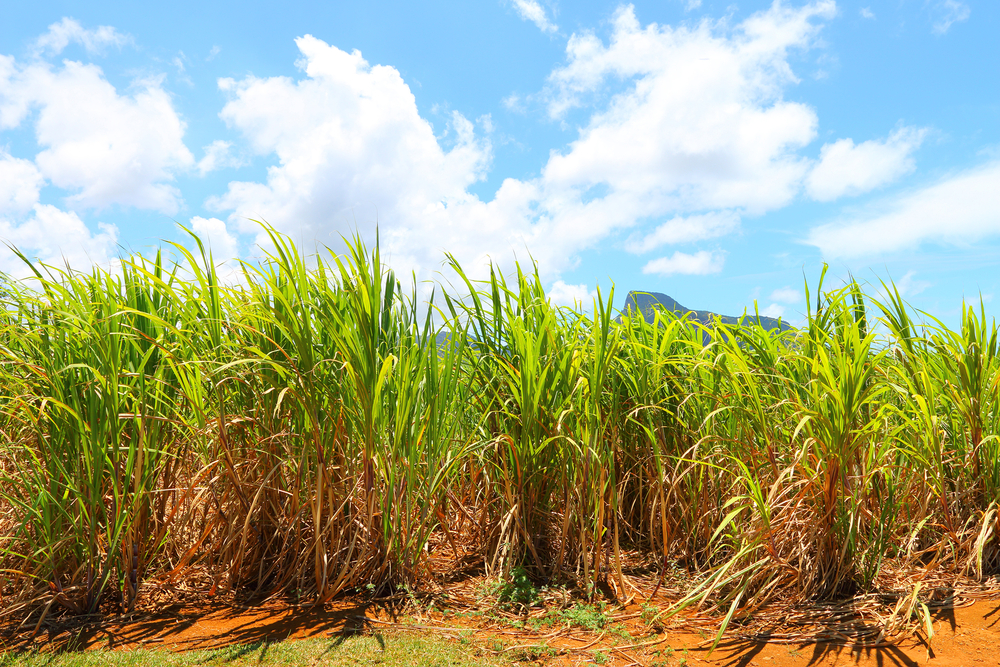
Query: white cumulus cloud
[701, 263]
[947, 13]
[219, 155]
[704, 125]
[40, 231]
[787, 295]
[103, 147]
[910, 285]
[848, 169]
[773, 310]
[530, 10]
[57, 238]
[699, 136]
[222, 244]
[216, 237]
[68, 30]
[563, 294]
[352, 150]
[681, 229]
[20, 185]
[957, 210]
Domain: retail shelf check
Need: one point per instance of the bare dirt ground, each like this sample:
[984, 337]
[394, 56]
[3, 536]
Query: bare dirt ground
[966, 633]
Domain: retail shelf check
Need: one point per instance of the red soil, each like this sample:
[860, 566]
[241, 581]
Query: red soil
[963, 636]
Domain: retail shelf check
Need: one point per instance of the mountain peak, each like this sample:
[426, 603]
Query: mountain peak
[646, 302]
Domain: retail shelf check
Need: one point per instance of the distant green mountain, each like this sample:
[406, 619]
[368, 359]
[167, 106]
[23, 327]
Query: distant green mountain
[646, 302]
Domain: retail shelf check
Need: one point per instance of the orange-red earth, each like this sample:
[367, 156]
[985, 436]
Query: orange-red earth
[963, 636]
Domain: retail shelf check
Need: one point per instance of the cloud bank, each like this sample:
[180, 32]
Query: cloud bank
[956, 210]
[848, 169]
[699, 136]
[101, 148]
[69, 31]
[685, 134]
[530, 10]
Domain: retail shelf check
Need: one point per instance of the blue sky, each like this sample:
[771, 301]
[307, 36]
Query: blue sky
[715, 151]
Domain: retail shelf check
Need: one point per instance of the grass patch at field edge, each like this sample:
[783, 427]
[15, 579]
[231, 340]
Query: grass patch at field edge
[396, 649]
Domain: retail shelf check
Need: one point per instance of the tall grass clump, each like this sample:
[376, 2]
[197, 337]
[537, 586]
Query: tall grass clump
[317, 427]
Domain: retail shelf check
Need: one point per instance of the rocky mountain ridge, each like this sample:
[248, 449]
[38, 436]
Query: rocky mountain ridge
[646, 302]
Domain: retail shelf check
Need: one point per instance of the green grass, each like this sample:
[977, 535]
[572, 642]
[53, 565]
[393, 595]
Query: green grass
[592, 618]
[397, 650]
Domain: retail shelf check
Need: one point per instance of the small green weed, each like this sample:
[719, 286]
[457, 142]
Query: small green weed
[588, 617]
[533, 653]
[662, 657]
[518, 591]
